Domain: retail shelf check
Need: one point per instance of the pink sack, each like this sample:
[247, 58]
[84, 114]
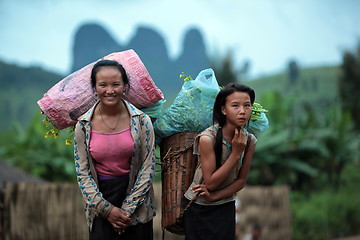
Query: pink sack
[73, 95]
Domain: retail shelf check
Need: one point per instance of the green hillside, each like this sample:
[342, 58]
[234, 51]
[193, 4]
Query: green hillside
[314, 85]
[21, 88]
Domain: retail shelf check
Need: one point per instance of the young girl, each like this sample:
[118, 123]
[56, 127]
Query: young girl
[224, 154]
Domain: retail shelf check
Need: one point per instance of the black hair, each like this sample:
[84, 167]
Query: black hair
[108, 63]
[220, 118]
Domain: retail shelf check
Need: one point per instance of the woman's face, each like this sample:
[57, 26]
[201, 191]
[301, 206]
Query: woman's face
[237, 109]
[109, 85]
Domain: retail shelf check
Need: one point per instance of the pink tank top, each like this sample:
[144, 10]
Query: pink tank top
[112, 152]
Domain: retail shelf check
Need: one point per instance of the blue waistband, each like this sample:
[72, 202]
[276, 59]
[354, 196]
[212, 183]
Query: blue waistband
[101, 177]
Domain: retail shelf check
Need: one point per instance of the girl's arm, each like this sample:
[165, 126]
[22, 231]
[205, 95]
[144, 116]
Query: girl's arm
[214, 177]
[233, 188]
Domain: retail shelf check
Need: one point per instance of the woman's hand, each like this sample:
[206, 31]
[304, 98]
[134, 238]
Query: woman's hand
[119, 219]
[201, 190]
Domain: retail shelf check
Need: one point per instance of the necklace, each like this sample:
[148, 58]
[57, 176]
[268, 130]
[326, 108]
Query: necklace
[102, 118]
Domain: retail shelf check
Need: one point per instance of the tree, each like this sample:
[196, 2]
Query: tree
[349, 85]
[293, 72]
[224, 69]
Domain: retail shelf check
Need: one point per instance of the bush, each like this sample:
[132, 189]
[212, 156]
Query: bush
[328, 214]
[27, 149]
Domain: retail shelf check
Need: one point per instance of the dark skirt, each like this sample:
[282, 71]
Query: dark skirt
[114, 191]
[210, 222]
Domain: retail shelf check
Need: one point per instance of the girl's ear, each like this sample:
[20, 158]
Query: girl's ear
[223, 110]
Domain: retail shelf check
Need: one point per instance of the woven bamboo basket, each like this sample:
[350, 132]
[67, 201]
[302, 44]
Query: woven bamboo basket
[178, 168]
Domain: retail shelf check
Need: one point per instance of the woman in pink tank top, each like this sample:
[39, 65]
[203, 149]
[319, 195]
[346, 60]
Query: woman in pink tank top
[115, 160]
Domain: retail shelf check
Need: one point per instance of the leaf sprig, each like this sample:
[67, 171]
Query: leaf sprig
[257, 109]
[54, 131]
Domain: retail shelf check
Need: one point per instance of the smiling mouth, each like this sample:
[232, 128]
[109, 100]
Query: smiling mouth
[110, 98]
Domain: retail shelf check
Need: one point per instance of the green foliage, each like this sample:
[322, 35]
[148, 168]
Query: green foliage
[27, 149]
[328, 214]
[303, 148]
[311, 145]
[54, 131]
[257, 109]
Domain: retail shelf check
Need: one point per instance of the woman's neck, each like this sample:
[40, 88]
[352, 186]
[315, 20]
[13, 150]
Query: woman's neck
[112, 109]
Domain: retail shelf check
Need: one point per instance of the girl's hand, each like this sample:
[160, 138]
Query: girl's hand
[119, 219]
[238, 142]
[201, 190]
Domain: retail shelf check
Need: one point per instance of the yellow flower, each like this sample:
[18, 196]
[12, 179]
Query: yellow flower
[54, 131]
[186, 78]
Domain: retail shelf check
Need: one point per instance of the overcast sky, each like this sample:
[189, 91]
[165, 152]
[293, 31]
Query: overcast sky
[267, 32]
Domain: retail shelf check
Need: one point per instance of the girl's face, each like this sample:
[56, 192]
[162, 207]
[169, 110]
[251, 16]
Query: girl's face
[237, 109]
[109, 85]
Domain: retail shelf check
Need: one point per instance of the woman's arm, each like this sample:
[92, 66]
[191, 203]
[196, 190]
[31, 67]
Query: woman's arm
[214, 177]
[145, 174]
[233, 188]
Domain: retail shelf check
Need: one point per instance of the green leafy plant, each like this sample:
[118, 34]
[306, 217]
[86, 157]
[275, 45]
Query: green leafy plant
[54, 131]
[257, 109]
[27, 149]
[329, 213]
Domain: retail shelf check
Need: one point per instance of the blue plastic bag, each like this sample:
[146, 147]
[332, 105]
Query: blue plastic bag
[154, 110]
[258, 126]
[192, 107]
